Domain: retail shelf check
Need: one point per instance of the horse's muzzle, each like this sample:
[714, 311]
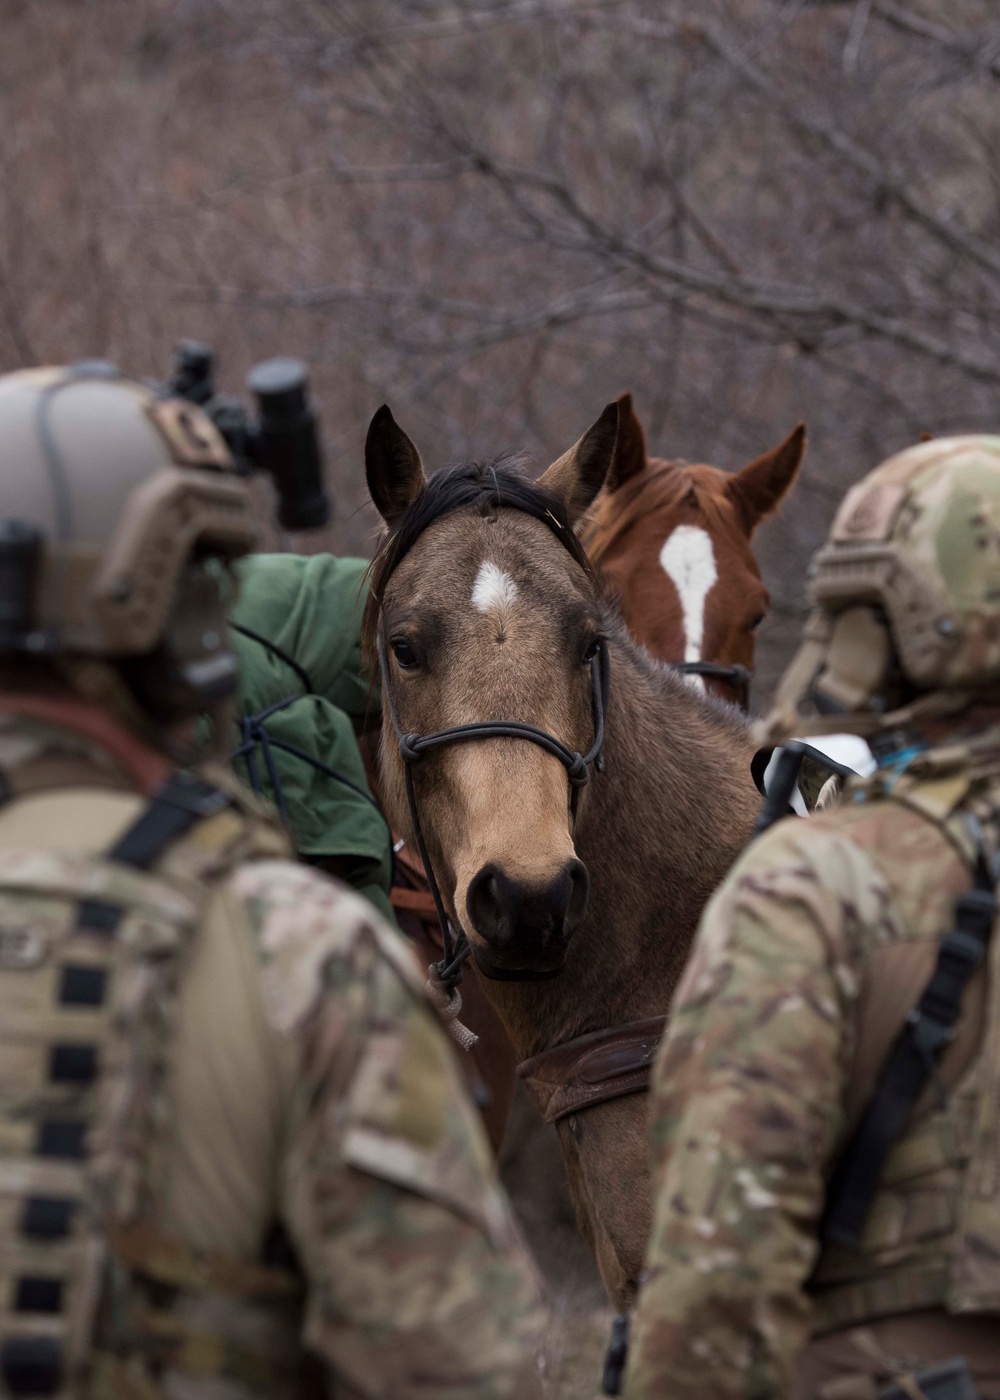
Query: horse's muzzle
[526, 927]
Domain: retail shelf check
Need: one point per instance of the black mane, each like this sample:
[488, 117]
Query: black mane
[487, 486]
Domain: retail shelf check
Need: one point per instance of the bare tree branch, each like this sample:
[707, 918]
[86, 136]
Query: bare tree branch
[885, 184]
[979, 51]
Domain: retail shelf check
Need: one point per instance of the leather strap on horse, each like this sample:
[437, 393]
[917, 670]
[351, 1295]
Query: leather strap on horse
[593, 1069]
[419, 902]
[739, 677]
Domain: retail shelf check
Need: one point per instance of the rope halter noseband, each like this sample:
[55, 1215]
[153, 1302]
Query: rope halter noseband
[412, 747]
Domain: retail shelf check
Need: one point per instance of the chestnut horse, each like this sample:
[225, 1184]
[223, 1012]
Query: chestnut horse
[578, 902]
[672, 542]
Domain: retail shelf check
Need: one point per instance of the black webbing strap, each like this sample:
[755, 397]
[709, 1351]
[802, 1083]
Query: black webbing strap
[173, 810]
[181, 802]
[912, 1062]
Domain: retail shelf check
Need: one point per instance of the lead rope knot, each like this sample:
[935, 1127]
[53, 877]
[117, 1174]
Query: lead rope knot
[449, 1003]
[408, 750]
[577, 771]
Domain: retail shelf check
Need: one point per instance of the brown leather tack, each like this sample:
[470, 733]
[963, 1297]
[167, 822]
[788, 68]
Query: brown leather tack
[593, 1069]
[420, 901]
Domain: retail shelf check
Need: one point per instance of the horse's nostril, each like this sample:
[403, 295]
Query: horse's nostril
[576, 906]
[502, 909]
[484, 903]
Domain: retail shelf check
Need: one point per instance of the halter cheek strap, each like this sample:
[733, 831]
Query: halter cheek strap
[412, 747]
[739, 677]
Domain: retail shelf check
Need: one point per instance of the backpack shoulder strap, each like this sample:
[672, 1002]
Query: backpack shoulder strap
[178, 804]
[912, 1062]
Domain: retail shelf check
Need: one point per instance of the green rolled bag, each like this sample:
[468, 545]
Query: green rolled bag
[302, 703]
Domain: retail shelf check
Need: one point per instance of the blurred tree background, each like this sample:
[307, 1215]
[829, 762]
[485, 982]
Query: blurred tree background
[498, 214]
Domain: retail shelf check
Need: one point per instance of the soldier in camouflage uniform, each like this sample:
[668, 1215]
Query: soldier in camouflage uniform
[806, 966]
[236, 1158]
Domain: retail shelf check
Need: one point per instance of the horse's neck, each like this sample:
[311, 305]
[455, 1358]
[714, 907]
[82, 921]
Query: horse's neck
[658, 829]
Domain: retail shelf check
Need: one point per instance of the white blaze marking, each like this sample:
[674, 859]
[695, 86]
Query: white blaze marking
[688, 559]
[493, 590]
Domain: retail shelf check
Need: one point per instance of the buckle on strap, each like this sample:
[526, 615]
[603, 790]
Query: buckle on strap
[192, 794]
[928, 1035]
[963, 947]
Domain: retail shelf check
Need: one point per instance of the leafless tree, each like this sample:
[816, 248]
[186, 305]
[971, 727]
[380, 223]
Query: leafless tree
[496, 215]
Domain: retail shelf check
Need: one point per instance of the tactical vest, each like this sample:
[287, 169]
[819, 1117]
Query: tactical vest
[94, 1302]
[932, 1236]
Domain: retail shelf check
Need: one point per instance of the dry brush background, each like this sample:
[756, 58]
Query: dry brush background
[496, 214]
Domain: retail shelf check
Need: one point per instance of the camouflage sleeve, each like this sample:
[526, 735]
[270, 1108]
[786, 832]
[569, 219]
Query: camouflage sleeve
[419, 1285]
[746, 1109]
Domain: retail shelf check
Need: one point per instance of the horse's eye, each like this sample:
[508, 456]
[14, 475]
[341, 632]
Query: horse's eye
[591, 649]
[757, 621]
[404, 654]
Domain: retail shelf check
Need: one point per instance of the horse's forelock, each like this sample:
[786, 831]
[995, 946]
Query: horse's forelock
[662, 486]
[500, 484]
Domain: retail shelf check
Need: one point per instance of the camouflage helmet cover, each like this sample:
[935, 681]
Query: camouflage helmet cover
[124, 487]
[919, 540]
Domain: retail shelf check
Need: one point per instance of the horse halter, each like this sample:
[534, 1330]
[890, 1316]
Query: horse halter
[739, 677]
[412, 747]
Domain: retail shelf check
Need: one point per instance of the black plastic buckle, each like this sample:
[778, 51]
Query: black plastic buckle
[928, 1035]
[192, 794]
[964, 947]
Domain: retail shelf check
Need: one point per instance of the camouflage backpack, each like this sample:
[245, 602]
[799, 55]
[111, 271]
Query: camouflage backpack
[90, 950]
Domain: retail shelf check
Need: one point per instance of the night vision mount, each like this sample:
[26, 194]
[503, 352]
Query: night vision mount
[283, 440]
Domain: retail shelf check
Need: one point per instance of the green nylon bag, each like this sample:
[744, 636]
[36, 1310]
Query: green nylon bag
[310, 609]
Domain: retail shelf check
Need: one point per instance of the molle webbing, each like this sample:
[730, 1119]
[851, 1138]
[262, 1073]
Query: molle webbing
[45, 1318]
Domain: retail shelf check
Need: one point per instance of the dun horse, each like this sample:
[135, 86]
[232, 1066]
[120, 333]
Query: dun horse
[578, 902]
[672, 542]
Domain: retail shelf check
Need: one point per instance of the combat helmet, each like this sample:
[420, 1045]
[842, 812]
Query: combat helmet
[906, 597]
[114, 500]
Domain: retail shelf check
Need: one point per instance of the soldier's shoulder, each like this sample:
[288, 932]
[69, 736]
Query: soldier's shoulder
[309, 930]
[841, 883]
[799, 844]
[807, 883]
[850, 830]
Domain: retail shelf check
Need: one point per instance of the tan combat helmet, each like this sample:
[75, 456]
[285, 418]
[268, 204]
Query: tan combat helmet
[112, 498]
[906, 598]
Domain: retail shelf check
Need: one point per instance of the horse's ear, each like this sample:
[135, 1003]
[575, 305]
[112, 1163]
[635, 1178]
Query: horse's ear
[393, 467]
[578, 475]
[630, 449]
[759, 488]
